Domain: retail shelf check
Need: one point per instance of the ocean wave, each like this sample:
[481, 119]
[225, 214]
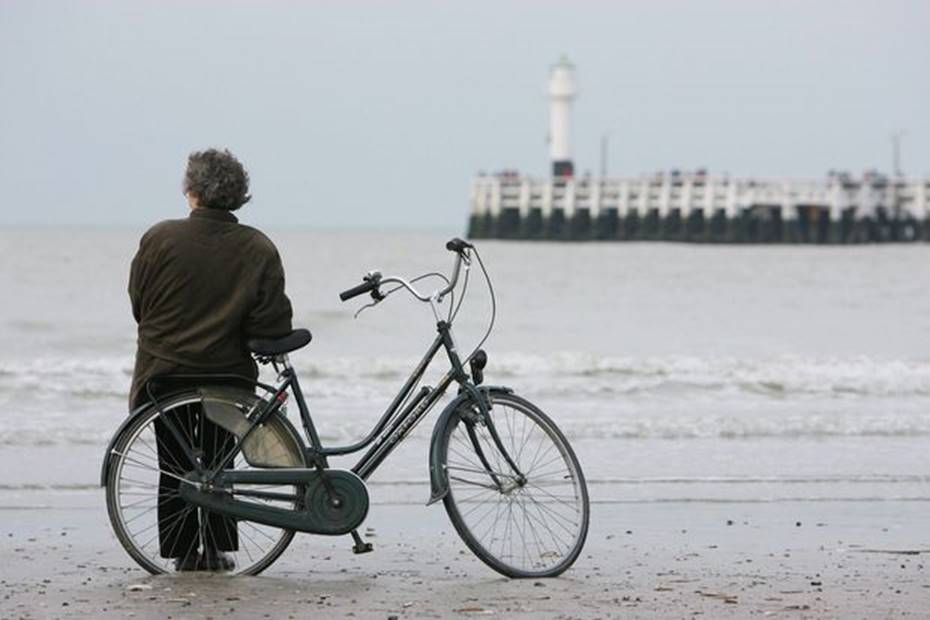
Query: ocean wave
[774, 423]
[346, 426]
[559, 374]
[776, 377]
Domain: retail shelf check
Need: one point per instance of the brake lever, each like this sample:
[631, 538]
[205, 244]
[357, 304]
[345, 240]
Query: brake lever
[377, 297]
[366, 307]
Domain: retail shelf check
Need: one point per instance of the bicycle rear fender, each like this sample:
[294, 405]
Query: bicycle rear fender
[438, 485]
[135, 413]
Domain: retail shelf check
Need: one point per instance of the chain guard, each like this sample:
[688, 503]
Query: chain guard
[316, 515]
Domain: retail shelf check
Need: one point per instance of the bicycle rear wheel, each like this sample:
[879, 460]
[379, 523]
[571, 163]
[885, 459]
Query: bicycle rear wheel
[530, 527]
[145, 508]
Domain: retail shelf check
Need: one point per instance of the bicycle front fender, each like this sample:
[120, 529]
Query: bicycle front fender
[439, 486]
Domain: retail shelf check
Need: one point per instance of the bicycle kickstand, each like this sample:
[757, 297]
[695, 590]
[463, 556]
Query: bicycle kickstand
[360, 545]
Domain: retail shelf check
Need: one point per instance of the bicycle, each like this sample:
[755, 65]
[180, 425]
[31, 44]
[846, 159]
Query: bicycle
[507, 476]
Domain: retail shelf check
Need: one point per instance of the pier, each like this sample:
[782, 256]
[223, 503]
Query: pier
[697, 207]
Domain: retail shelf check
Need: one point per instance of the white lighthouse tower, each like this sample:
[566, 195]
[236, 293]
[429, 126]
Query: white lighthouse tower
[561, 94]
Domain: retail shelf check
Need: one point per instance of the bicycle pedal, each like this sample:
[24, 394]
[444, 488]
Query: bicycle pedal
[360, 545]
[364, 547]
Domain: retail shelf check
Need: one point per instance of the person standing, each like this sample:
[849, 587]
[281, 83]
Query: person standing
[200, 287]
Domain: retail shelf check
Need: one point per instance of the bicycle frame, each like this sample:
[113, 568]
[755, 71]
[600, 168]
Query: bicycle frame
[395, 423]
[394, 426]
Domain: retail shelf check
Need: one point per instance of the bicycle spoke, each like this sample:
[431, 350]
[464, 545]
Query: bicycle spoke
[148, 498]
[141, 514]
[480, 471]
[550, 495]
[474, 499]
[149, 468]
[532, 527]
[489, 510]
[473, 483]
[557, 519]
[495, 521]
[258, 531]
[554, 474]
[555, 459]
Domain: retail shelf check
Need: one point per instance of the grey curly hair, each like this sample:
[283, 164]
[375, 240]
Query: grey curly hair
[217, 179]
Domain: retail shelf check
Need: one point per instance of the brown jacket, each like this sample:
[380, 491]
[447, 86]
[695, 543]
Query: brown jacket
[200, 287]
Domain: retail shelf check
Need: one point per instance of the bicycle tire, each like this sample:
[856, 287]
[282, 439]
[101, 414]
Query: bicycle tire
[123, 456]
[555, 524]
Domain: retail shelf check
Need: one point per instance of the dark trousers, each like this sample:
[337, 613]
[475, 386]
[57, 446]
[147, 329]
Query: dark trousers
[183, 529]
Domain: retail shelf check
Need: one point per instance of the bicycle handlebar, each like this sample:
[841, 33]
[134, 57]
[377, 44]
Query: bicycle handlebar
[374, 279]
[457, 245]
[369, 284]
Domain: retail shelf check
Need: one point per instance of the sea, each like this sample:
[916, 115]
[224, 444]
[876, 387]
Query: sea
[679, 373]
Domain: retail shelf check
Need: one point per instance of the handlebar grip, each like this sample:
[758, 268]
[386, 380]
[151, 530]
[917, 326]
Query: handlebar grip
[457, 245]
[361, 289]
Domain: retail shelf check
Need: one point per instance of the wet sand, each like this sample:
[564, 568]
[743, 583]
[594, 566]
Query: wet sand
[666, 560]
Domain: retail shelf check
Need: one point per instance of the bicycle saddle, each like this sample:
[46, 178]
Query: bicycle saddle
[278, 346]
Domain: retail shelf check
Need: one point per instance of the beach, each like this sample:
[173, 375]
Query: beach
[752, 423]
[668, 560]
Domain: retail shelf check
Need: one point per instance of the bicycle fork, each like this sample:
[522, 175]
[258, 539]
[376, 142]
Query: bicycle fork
[483, 415]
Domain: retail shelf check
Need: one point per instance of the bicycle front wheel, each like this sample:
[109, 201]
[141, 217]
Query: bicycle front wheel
[531, 522]
[147, 466]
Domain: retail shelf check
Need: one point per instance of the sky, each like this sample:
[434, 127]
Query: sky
[376, 115]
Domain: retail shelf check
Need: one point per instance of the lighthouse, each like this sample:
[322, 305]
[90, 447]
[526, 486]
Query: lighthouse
[561, 94]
